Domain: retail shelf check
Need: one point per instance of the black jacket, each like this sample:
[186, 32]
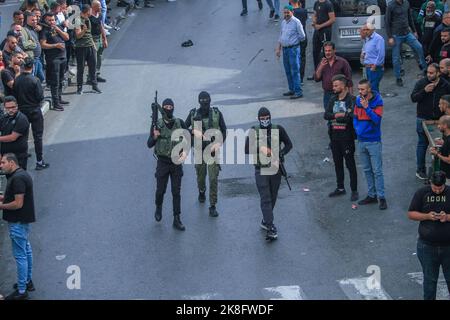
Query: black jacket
[428, 103]
[398, 18]
[28, 91]
[341, 128]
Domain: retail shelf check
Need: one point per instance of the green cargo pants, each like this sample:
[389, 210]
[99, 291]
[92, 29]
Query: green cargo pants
[213, 173]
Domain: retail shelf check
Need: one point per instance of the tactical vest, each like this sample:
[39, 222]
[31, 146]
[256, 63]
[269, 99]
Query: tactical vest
[164, 144]
[212, 122]
[266, 141]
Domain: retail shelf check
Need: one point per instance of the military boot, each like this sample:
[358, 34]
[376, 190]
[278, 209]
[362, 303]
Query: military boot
[213, 212]
[177, 224]
[158, 213]
[201, 196]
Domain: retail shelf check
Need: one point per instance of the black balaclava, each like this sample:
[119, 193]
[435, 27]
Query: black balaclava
[263, 112]
[168, 113]
[205, 101]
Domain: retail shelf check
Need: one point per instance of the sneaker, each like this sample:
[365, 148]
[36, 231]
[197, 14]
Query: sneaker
[244, 13]
[383, 204]
[400, 82]
[296, 96]
[57, 108]
[107, 33]
[158, 213]
[177, 224]
[201, 196]
[355, 196]
[368, 200]
[421, 175]
[260, 5]
[96, 89]
[264, 225]
[272, 233]
[213, 212]
[276, 18]
[17, 296]
[271, 14]
[337, 192]
[107, 26]
[100, 79]
[289, 93]
[80, 90]
[30, 286]
[42, 165]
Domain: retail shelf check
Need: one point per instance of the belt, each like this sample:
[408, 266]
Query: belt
[370, 66]
[293, 46]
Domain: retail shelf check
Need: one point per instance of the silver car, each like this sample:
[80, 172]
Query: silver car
[350, 16]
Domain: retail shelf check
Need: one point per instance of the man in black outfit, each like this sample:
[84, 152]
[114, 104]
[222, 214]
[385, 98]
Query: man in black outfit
[30, 95]
[340, 114]
[431, 207]
[18, 210]
[14, 127]
[166, 167]
[323, 20]
[267, 171]
[10, 73]
[53, 43]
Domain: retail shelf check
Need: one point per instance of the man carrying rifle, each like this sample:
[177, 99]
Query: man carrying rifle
[339, 112]
[169, 163]
[264, 142]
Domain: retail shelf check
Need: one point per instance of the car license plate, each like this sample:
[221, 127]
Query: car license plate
[349, 32]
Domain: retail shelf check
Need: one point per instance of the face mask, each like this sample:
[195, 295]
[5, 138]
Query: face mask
[169, 113]
[264, 123]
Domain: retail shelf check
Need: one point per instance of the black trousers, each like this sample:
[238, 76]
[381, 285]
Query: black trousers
[344, 150]
[164, 170]
[37, 127]
[244, 4]
[268, 186]
[55, 70]
[303, 45]
[319, 37]
[84, 55]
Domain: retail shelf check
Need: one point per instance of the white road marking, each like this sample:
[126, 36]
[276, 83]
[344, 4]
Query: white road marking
[204, 296]
[441, 292]
[357, 289]
[285, 293]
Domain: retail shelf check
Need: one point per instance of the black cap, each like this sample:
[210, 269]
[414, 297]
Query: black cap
[204, 97]
[263, 111]
[28, 63]
[168, 102]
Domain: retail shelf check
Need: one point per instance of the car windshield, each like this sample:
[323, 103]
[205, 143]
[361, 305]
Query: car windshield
[352, 8]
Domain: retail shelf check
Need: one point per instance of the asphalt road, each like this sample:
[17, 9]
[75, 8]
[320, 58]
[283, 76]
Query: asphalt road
[95, 203]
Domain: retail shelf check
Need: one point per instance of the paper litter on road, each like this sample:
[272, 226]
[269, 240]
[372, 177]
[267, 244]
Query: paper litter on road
[61, 257]
[306, 189]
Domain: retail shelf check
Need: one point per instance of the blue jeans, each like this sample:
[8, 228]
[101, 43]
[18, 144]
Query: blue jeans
[326, 98]
[411, 40]
[38, 69]
[422, 146]
[431, 258]
[375, 77]
[21, 248]
[372, 161]
[291, 61]
[104, 10]
[275, 8]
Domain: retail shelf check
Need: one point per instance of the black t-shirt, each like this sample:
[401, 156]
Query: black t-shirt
[18, 123]
[445, 151]
[20, 182]
[8, 74]
[96, 25]
[302, 15]
[424, 201]
[52, 37]
[322, 9]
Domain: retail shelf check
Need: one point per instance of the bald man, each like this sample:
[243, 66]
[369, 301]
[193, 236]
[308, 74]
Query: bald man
[372, 55]
[444, 67]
